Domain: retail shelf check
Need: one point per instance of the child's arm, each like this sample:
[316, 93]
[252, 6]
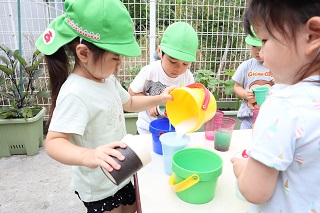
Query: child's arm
[59, 147]
[242, 93]
[153, 112]
[140, 103]
[256, 181]
[135, 94]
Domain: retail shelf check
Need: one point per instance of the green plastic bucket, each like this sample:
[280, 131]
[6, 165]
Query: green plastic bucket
[195, 174]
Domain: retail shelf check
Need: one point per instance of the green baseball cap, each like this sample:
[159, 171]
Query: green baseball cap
[253, 41]
[180, 41]
[104, 23]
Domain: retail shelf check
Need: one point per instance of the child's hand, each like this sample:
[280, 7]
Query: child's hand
[252, 103]
[153, 112]
[102, 156]
[248, 95]
[165, 95]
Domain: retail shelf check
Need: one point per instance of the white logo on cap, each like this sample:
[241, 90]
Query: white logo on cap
[48, 36]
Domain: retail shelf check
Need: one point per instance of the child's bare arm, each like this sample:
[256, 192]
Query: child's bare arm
[140, 103]
[59, 147]
[134, 94]
[242, 93]
[256, 181]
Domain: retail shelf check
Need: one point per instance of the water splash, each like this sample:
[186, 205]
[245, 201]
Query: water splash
[185, 126]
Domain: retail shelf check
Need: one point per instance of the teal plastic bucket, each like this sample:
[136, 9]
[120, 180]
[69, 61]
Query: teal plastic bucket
[195, 174]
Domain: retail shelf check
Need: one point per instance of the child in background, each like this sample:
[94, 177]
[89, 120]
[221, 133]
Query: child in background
[178, 48]
[282, 172]
[86, 114]
[250, 73]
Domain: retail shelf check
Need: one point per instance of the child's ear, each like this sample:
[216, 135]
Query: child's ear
[159, 52]
[313, 27]
[82, 52]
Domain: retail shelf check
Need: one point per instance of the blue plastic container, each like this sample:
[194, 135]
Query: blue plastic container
[157, 128]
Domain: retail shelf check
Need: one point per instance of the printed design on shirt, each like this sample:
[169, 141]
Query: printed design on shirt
[275, 165]
[286, 187]
[298, 132]
[281, 155]
[154, 88]
[299, 161]
[273, 128]
[259, 74]
[313, 209]
[115, 116]
[316, 103]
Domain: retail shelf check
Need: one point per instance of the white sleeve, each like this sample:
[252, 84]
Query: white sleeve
[190, 78]
[71, 115]
[275, 134]
[139, 81]
[124, 95]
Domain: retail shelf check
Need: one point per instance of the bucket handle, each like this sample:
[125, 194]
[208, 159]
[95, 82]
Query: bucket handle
[206, 98]
[187, 183]
[160, 133]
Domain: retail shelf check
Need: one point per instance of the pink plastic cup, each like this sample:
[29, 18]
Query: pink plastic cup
[255, 113]
[212, 124]
[222, 135]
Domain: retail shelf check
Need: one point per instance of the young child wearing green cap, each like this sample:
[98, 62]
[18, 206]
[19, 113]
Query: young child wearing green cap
[251, 73]
[86, 113]
[177, 50]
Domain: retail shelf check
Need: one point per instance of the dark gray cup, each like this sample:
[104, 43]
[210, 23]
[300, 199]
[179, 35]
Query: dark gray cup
[136, 156]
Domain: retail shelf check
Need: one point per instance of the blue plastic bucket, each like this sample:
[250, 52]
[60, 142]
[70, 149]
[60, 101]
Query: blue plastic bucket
[157, 128]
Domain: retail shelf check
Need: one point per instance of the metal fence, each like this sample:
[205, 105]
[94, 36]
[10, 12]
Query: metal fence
[217, 22]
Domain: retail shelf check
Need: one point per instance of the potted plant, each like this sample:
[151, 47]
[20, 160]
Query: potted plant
[21, 119]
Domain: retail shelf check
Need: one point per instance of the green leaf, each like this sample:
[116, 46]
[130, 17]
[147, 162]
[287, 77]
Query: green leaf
[2, 80]
[26, 112]
[228, 72]
[30, 101]
[37, 73]
[25, 80]
[30, 68]
[36, 53]
[6, 70]
[8, 112]
[24, 94]
[36, 63]
[44, 94]
[6, 95]
[20, 59]
[5, 60]
[4, 48]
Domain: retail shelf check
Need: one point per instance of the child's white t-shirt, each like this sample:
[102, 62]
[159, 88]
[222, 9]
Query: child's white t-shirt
[152, 80]
[286, 137]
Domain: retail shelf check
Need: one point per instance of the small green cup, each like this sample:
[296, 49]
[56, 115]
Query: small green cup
[260, 94]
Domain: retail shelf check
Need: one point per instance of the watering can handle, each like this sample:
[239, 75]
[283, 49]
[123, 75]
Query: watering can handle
[187, 183]
[206, 99]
